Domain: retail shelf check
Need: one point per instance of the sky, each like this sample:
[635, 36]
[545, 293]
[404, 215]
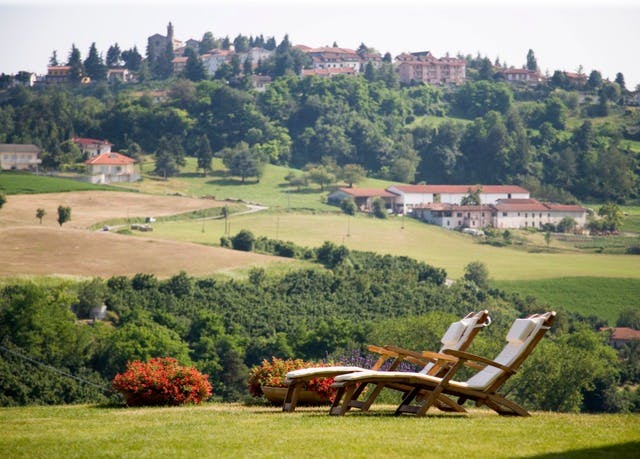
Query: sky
[564, 34]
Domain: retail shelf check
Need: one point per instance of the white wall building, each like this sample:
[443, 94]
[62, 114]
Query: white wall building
[19, 156]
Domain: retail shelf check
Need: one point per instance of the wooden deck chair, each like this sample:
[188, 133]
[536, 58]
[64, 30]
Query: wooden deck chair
[429, 390]
[458, 336]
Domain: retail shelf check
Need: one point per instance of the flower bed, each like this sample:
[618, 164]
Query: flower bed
[273, 374]
[161, 381]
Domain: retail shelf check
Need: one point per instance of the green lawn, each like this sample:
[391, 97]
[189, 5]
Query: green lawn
[447, 249]
[226, 430]
[22, 183]
[602, 297]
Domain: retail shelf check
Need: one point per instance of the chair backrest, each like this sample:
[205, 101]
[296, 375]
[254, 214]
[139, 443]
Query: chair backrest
[522, 338]
[460, 334]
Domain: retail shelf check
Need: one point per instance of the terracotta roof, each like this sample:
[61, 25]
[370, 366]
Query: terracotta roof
[59, 67]
[87, 141]
[624, 333]
[565, 207]
[110, 159]
[524, 205]
[440, 206]
[519, 71]
[179, 59]
[366, 192]
[439, 189]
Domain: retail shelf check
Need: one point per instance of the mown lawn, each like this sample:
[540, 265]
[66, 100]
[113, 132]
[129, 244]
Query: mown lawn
[602, 297]
[226, 430]
[405, 236]
[22, 183]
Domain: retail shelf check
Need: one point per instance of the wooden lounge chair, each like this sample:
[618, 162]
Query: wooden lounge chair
[458, 336]
[482, 387]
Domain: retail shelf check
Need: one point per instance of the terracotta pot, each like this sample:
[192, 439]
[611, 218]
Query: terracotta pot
[307, 397]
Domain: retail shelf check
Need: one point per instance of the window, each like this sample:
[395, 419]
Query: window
[526, 215]
[504, 214]
[459, 214]
[518, 214]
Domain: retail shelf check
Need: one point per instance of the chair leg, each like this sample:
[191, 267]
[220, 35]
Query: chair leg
[291, 398]
[405, 405]
[505, 407]
[342, 402]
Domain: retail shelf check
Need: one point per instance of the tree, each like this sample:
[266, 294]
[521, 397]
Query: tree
[352, 173]
[532, 63]
[321, 175]
[244, 240]
[75, 62]
[595, 79]
[620, 80]
[612, 216]
[3, 199]
[547, 238]
[243, 161]
[207, 43]
[132, 59]
[94, 66]
[194, 68]
[567, 225]
[53, 60]
[378, 208]
[169, 156]
[478, 273]
[113, 56]
[296, 180]
[64, 214]
[348, 206]
[472, 198]
[204, 154]
[40, 213]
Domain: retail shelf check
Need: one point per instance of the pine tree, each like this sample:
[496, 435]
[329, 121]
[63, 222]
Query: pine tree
[194, 69]
[532, 63]
[204, 154]
[53, 60]
[113, 56]
[75, 62]
[94, 66]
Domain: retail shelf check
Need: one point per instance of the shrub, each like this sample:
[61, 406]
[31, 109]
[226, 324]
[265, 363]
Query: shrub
[244, 240]
[274, 374]
[348, 206]
[161, 381]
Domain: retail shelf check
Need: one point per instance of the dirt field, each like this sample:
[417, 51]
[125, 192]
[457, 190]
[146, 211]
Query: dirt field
[28, 248]
[91, 207]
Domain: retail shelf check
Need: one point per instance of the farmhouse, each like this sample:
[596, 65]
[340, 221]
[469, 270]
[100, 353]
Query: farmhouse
[521, 76]
[505, 213]
[363, 197]
[621, 336]
[410, 196]
[19, 156]
[111, 168]
[92, 147]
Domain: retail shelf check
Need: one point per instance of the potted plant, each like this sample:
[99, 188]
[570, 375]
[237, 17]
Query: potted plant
[268, 379]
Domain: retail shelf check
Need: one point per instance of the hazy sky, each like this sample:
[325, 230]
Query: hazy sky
[564, 34]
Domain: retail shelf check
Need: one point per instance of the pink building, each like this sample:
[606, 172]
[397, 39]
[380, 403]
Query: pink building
[424, 67]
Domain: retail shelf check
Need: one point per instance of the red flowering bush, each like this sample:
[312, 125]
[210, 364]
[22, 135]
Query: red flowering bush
[161, 381]
[274, 374]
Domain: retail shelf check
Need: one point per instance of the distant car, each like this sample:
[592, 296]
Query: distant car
[473, 231]
[106, 228]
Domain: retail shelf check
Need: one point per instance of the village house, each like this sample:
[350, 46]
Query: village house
[214, 59]
[19, 156]
[424, 67]
[179, 64]
[92, 147]
[410, 196]
[58, 74]
[120, 75]
[328, 73]
[452, 216]
[621, 336]
[157, 44]
[362, 197]
[334, 58]
[525, 76]
[111, 167]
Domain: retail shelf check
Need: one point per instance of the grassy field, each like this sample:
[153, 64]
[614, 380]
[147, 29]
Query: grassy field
[21, 183]
[447, 249]
[225, 430]
[602, 297]
[272, 190]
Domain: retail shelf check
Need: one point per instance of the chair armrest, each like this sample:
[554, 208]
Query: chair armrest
[432, 356]
[476, 358]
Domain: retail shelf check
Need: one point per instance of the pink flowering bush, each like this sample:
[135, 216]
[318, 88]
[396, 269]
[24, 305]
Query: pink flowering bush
[161, 381]
[273, 373]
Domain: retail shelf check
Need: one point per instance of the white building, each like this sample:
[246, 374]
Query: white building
[111, 168]
[92, 147]
[410, 196]
[19, 156]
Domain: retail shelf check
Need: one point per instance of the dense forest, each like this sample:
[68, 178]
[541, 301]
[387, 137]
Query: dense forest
[327, 312]
[560, 139]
